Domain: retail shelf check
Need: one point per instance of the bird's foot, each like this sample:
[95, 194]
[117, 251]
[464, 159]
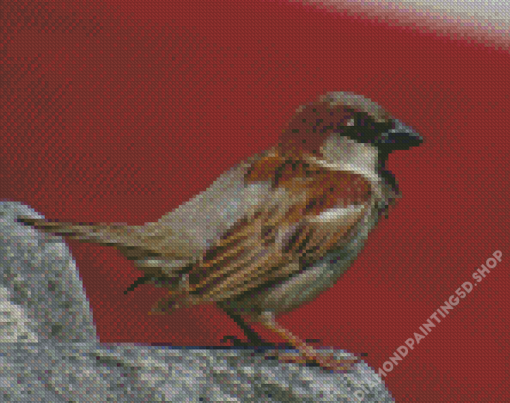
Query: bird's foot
[326, 361]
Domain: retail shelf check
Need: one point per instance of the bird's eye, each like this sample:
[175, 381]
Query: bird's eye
[361, 127]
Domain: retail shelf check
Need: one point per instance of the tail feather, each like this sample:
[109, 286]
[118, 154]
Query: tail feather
[130, 240]
[104, 234]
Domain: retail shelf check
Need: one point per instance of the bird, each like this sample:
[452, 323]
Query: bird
[276, 230]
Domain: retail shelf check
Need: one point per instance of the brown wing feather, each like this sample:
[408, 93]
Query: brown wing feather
[279, 264]
[281, 234]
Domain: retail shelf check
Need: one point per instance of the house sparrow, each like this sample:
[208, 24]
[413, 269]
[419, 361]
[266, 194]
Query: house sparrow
[275, 231]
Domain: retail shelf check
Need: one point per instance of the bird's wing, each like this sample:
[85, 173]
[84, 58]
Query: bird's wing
[310, 210]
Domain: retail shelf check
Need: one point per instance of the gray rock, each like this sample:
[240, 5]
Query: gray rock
[49, 349]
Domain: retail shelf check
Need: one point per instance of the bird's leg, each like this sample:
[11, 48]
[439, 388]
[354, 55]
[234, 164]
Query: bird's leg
[306, 352]
[254, 340]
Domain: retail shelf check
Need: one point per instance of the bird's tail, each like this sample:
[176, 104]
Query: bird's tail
[104, 234]
[131, 241]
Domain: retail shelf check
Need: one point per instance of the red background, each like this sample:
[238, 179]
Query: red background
[120, 112]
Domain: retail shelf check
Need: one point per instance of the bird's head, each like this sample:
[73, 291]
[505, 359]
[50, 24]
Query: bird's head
[343, 126]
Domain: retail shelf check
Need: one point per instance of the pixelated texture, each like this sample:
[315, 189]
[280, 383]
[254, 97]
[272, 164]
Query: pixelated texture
[38, 275]
[121, 111]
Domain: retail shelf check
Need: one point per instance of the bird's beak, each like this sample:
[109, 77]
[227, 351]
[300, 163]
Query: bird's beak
[401, 137]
